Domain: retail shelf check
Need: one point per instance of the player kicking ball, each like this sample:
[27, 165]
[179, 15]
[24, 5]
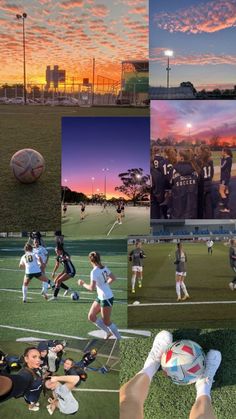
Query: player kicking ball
[180, 262]
[134, 393]
[31, 262]
[136, 256]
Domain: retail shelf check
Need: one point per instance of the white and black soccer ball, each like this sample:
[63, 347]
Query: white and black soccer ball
[183, 362]
[75, 296]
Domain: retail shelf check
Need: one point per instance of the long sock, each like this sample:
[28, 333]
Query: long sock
[56, 291]
[24, 291]
[183, 287]
[177, 286]
[101, 325]
[133, 281]
[45, 287]
[64, 286]
[51, 283]
[114, 331]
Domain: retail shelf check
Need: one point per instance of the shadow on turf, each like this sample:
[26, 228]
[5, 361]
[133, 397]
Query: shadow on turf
[224, 340]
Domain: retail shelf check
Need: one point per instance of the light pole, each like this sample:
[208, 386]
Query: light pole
[189, 126]
[168, 53]
[23, 17]
[92, 179]
[105, 170]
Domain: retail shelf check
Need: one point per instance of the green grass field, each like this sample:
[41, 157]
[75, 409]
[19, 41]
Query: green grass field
[63, 317]
[207, 281]
[167, 400]
[92, 395]
[137, 219]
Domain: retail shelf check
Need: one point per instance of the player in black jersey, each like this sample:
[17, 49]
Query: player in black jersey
[136, 256]
[64, 209]
[119, 213]
[68, 272]
[82, 211]
[205, 163]
[158, 183]
[184, 181]
[225, 175]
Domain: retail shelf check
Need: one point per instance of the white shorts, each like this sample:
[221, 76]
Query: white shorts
[137, 269]
[181, 273]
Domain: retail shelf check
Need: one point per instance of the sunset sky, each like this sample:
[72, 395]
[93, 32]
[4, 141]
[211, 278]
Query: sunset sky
[208, 118]
[92, 144]
[202, 34]
[70, 33]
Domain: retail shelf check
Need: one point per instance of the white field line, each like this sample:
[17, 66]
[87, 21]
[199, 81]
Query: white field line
[67, 296]
[4, 326]
[96, 390]
[49, 273]
[181, 304]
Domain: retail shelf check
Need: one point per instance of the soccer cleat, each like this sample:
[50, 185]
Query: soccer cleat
[140, 284]
[52, 298]
[50, 410]
[178, 299]
[24, 301]
[37, 404]
[213, 360]
[185, 297]
[120, 223]
[161, 342]
[225, 210]
[33, 408]
[133, 291]
[231, 286]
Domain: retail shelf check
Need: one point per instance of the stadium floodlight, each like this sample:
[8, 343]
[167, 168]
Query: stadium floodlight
[23, 17]
[168, 53]
[92, 179]
[105, 170]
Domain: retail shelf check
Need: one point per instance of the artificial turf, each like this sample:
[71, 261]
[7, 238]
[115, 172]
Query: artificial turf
[207, 280]
[91, 403]
[167, 400]
[63, 317]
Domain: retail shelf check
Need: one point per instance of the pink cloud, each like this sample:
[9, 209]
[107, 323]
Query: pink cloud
[207, 17]
[70, 4]
[100, 10]
[157, 54]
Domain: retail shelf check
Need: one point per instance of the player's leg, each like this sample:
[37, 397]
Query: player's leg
[44, 281]
[184, 288]
[95, 309]
[133, 279]
[106, 317]
[202, 408]
[140, 277]
[177, 286]
[26, 282]
[134, 393]
[63, 276]
[232, 284]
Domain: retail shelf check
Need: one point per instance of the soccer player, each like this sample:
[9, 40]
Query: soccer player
[184, 181]
[63, 398]
[82, 211]
[205, 163]
[136, 256]
[64, 209]
[225, 175]
[119, 213]
[232, 261]
[134, 393]
[68, 272]
[180, 262]
[100, 279]
[210, 245]
[158, 183]
[31, 262]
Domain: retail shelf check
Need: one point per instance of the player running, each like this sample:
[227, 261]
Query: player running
[82, 211]
[100, 279]
[136, 256]
[232, 262]
[225, 175]
[68, 272]
[119, 213]
[210, 245]
[32, 262]
[64, 209]
[180, 262]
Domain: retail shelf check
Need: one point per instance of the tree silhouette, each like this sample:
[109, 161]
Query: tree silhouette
[135, 184]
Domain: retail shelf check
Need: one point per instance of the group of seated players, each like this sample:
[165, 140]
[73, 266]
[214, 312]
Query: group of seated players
[182, 183]
[37, 369]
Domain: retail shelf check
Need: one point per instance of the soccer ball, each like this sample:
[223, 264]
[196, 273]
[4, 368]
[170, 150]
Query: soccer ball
[74, 296]
[183, 362]
[27, 165]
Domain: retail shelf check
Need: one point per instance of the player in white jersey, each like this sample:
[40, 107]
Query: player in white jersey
[32, 264]
[44, 255]
[210, 245]
[63, 398]
[100, 279]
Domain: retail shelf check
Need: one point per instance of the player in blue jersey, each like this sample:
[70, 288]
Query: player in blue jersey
[225, 175]
[62, 258]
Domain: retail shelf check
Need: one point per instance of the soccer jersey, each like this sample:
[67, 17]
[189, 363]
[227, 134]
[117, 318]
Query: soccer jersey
[209, 243]
[100, 276]
[31, 262]
[33, 392]
[225, 170]
[184, 182]
[232, 256]
[64, 259]
[180, 261]
[206, 175]
[20, 385]
[67, 404]
[137, 255]
[42, 252]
